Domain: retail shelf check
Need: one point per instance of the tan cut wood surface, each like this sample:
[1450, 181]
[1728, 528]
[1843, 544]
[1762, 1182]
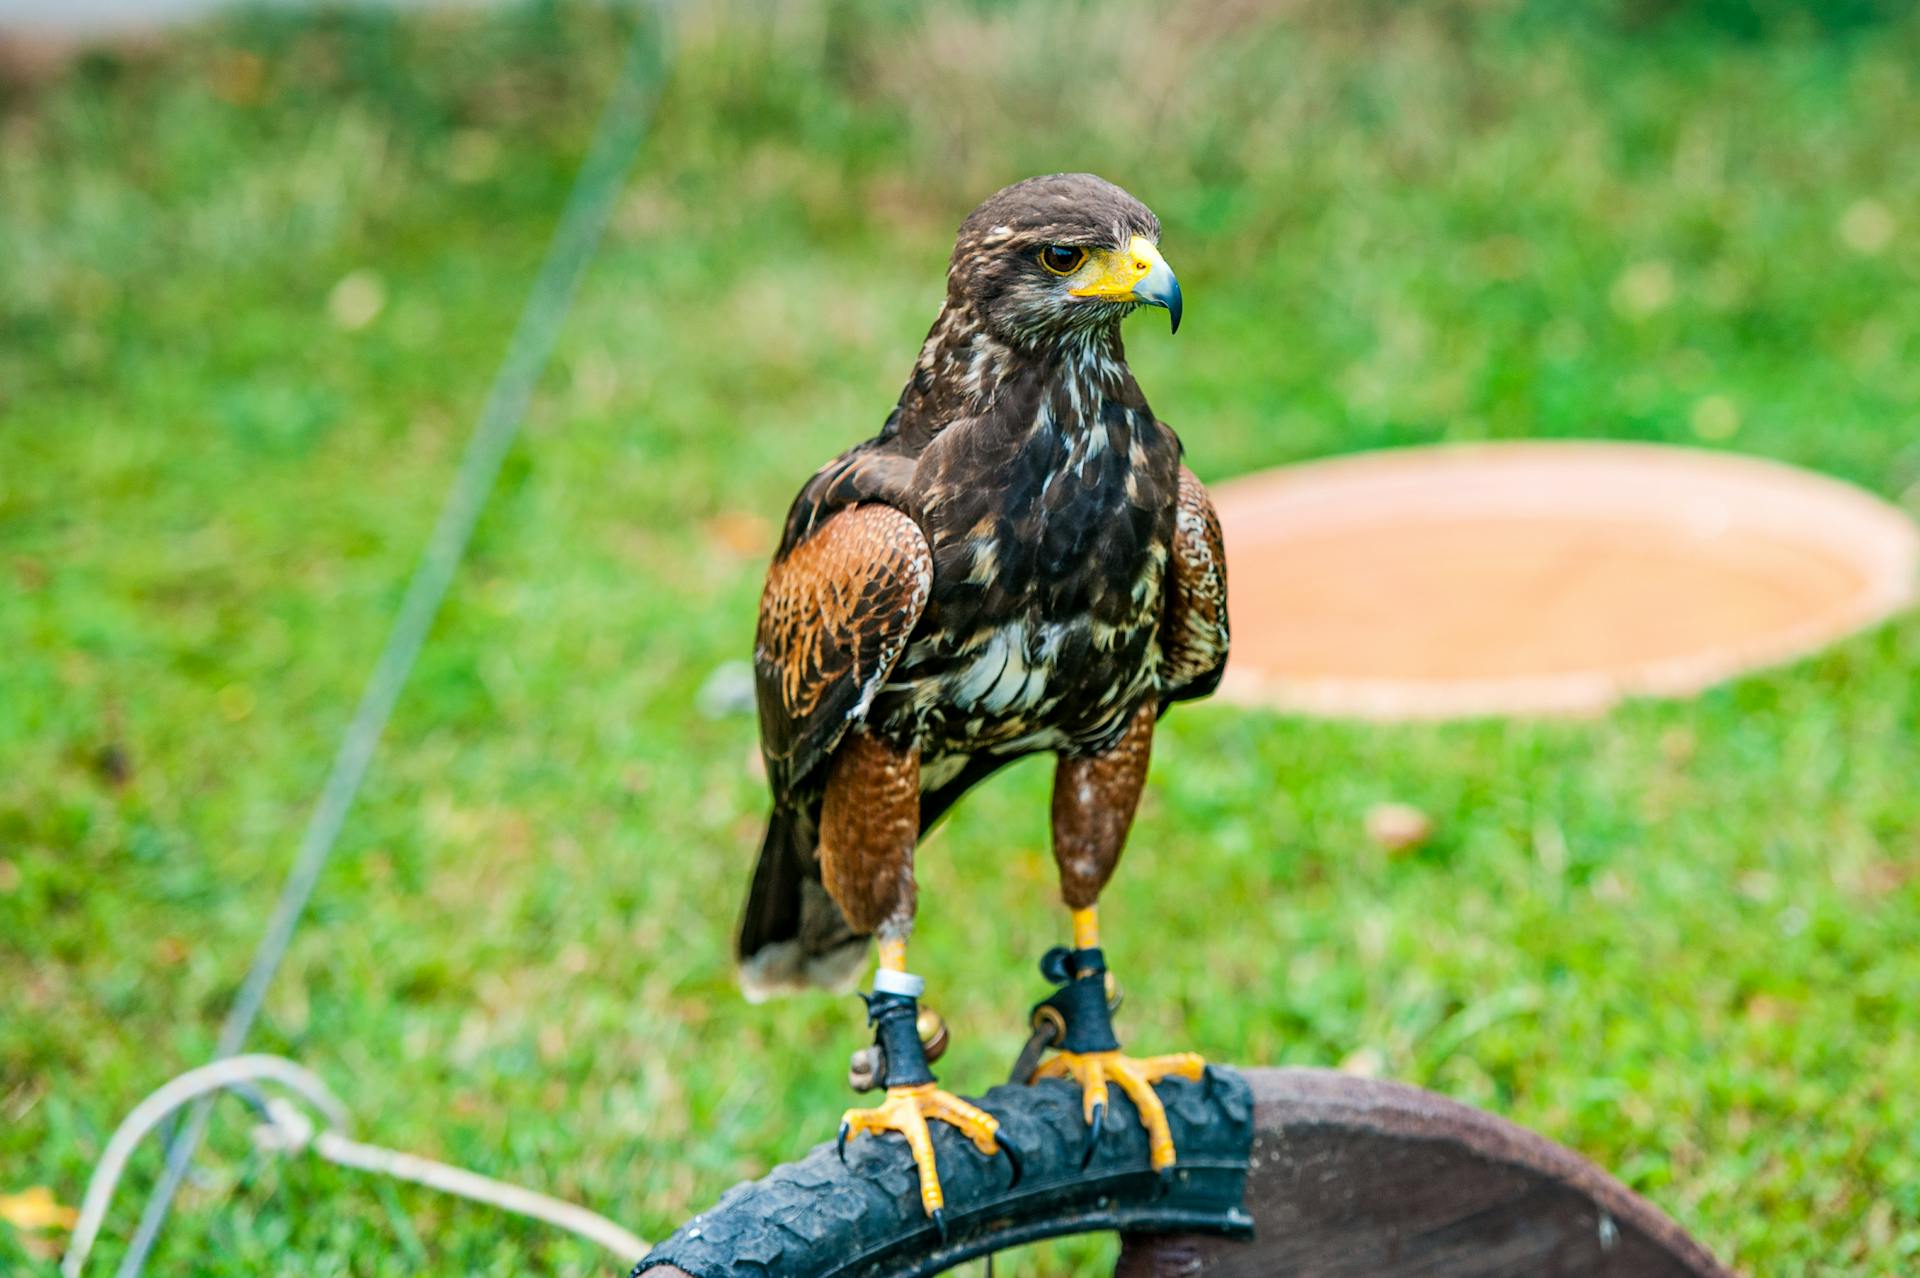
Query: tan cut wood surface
[1542, 577]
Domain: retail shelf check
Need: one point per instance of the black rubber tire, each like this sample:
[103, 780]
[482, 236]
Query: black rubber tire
[817, 1218]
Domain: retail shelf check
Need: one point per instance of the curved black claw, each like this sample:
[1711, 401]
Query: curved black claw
[939, 1217]
[1095, 1122]
[1165, 1177]
[840, 1142]
[1015, 1159]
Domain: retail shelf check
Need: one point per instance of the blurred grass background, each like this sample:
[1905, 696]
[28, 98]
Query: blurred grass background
[255, 277]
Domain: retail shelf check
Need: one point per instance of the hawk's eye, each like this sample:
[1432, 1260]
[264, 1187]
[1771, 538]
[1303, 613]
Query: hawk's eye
[1062, 259]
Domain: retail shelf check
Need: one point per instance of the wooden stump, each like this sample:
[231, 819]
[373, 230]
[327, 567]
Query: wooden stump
[1355, 1178]
[1542, 577]
[1338, 1177]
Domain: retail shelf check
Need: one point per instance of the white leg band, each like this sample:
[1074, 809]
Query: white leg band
[888, 981]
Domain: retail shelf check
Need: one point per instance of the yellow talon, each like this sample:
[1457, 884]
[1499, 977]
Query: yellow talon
[906, 1110]
[1093, 1070]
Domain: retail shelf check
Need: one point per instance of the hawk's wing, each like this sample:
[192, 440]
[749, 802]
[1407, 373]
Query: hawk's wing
[837, 610]
[1193, 632]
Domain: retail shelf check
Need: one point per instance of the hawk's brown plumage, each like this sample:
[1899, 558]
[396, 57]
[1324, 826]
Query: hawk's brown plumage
[1017, 562]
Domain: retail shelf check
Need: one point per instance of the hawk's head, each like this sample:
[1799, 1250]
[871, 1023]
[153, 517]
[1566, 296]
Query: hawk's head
[1054, 256]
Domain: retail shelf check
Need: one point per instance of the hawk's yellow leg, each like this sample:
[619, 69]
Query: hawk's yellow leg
[907, 1109]
[1135, 1076]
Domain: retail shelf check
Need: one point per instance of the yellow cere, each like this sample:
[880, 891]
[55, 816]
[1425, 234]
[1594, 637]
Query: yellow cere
[1113, 273]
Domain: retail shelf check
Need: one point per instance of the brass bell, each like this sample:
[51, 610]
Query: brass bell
[932, 1029]
[863, 1069]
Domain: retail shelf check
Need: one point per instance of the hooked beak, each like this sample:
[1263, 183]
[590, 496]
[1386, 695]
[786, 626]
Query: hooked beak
[1136, 273]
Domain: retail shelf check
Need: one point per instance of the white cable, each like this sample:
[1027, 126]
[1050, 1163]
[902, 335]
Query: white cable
[288, 1129]
[590, 1225]
[161, 1102]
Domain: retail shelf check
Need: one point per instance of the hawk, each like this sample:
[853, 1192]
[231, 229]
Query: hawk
[1018, 562]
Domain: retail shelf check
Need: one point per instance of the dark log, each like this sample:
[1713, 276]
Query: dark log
[1344, 1178]
[1355, 1178]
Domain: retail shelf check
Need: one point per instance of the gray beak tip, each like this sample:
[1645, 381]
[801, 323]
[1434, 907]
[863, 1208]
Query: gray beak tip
[1161, 289]
[1157, 287]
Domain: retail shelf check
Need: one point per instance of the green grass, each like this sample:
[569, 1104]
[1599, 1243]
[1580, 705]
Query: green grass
[1683, 940]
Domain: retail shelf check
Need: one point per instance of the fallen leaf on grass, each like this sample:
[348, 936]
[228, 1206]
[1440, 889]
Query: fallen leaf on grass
[36, 1208]
[1400, 828]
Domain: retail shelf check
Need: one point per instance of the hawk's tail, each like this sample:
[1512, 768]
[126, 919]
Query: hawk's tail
[792, 936]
